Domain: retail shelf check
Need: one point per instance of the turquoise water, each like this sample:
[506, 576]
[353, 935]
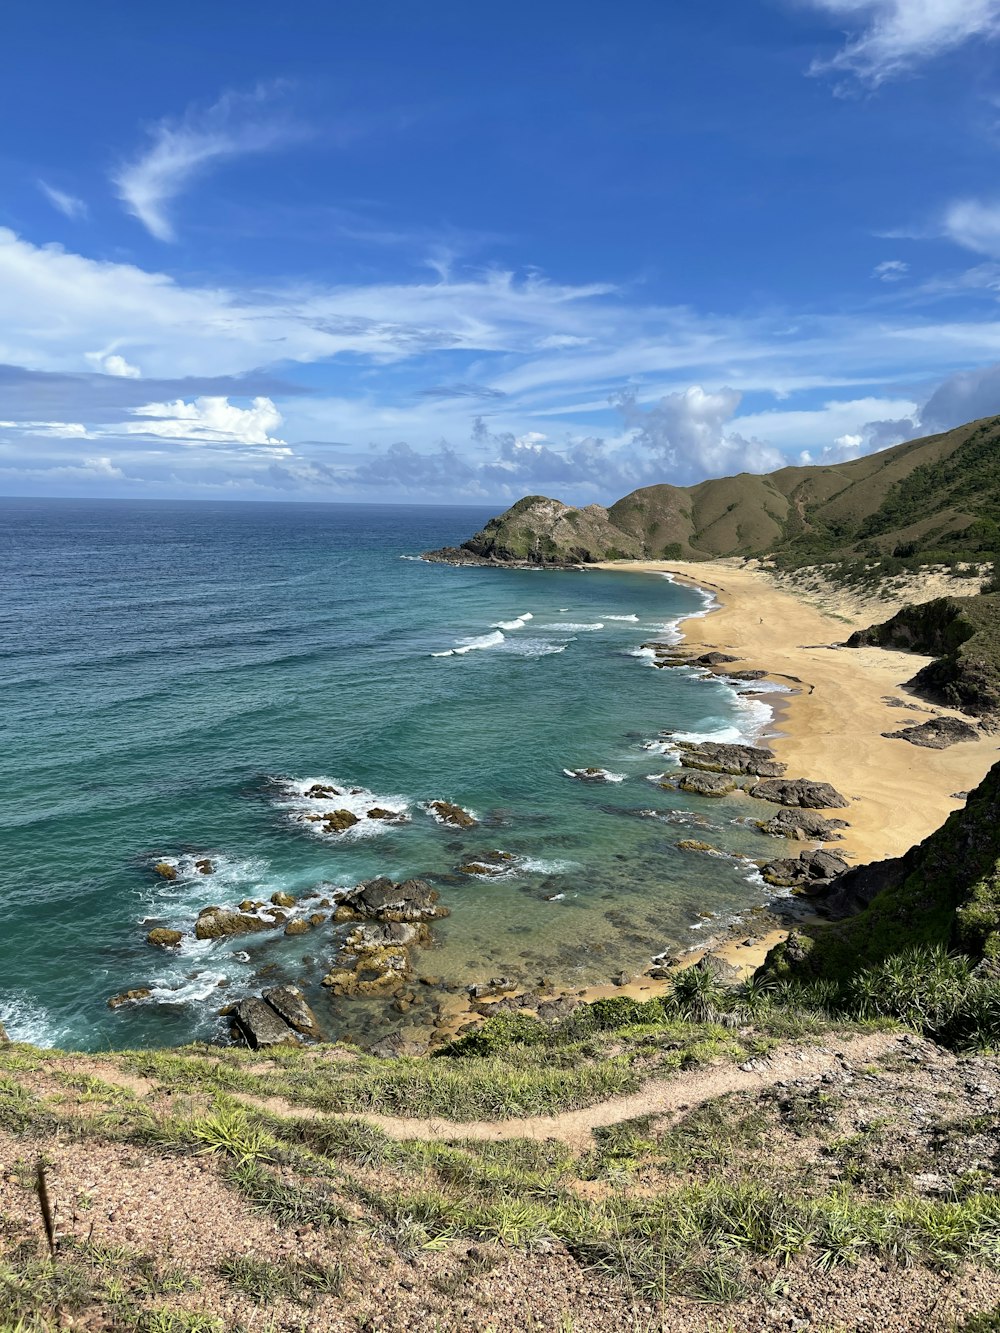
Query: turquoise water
[176, 675]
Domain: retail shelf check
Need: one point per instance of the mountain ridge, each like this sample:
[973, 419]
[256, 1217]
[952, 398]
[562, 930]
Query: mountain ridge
[937, 498]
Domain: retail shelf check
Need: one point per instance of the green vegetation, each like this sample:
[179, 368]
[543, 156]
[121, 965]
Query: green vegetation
[929, 501]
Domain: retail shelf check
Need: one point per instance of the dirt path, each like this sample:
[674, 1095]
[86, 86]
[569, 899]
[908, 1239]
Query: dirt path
[660, 1097]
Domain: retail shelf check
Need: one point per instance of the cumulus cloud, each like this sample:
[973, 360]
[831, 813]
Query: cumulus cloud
[890, 270]
[687, 433]
[110, 363]
[67, 204]
[210, 420]
[888, 38]
[183, 149]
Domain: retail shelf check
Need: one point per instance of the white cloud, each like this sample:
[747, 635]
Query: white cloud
[890, 270]
[974, 225]
[183, 149]
[68, 204]
[687, 433]
[891, 37]
[56, 430]
[209, 420]
[110, 363]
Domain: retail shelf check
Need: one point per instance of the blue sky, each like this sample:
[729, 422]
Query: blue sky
[453, 252]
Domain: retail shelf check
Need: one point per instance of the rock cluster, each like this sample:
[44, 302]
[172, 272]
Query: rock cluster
[374, 958]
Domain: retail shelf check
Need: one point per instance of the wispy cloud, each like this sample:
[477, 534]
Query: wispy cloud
[888, 38]
[890, 270]
[975, 225]
[183, 149]
[67, 204]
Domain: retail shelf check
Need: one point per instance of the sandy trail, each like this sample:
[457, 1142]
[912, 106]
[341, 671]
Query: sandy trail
[662, 1098]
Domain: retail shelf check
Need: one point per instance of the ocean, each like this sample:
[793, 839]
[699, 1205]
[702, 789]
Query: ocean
[176, 675]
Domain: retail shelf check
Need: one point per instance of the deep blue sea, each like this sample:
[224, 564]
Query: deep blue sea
[176, 675]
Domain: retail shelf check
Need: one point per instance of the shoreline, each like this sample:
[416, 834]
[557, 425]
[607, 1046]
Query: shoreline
[827, 728]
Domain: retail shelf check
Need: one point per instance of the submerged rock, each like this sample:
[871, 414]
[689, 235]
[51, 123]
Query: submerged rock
[799, 791]
[290, 1004]
[129, 997]
[693, 845]
[162, 938]
[937, 734]
[260, 1025]
[216, 923]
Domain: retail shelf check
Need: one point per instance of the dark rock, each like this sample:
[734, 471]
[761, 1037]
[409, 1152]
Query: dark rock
[339, 821]
[261, 1025]
[290, 1004]
[377, 812]
[165, 870]
[320, 790]
[703, 784]
[715, 659]
[937, 734]
[281, 899]
[806, 868]
[299, 927]
[802, 825]
[589, 774]
[205, 866]
[799, 791]
[693, 845]
[162, 938]
[717, 757]
[747, 675]
[129, 997]
[413, 900]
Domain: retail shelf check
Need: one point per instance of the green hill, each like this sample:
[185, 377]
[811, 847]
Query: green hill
[935, 499]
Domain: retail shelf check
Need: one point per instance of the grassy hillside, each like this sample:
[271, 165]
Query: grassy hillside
[935, 499]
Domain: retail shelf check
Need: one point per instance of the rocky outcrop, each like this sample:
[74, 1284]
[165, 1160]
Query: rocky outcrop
[375, 956]
[946, 890]
[799, 791]
[937, 734]
[216, 923]
[259, 1025]
[802, 825]
[163, 938]
[290, 1005]
[165, 870]
[540, 531]
[713, 659]
[334, 821]
[717, 757]
[702, 784]
[383, 900]
[811, 868]
[447, 813]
